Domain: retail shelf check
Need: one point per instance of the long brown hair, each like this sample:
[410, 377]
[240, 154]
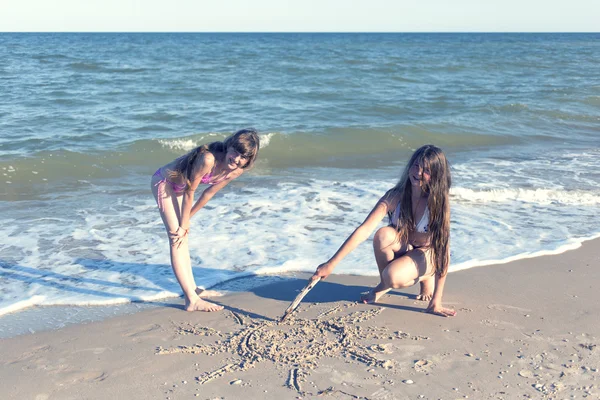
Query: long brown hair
[245, 141]
[438, 203]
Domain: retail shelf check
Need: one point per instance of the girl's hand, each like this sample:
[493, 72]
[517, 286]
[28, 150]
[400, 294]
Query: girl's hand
[323, 271]
[437, 309]
[178, 236]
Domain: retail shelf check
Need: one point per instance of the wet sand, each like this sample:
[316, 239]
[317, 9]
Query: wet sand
[527, 329]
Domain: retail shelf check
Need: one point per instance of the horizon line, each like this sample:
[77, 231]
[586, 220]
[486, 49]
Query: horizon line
[296, 32]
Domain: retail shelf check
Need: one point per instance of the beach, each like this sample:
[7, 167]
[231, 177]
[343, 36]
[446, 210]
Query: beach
[525, 329]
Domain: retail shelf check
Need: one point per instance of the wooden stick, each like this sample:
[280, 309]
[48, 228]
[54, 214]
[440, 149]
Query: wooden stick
[311, 284]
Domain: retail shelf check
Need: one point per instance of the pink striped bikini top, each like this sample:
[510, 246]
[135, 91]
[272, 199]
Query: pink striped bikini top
[206, 179]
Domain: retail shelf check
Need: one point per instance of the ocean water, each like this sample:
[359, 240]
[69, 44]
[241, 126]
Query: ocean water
[85, 119]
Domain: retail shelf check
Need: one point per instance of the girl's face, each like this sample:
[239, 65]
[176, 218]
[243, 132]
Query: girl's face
[419, 175]
[235, 160]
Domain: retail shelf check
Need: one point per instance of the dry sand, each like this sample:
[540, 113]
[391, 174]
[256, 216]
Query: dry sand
[527, 329]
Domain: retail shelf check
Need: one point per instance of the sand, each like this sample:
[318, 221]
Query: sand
[527, 329]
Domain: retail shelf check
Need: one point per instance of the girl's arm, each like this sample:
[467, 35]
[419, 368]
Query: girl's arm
[206, 195]
[206, 163]
[435, 305]
[359, 235]
[210, 191]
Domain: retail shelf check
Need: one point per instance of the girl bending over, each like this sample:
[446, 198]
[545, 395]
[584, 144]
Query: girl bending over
[414, 247]
[214, 164]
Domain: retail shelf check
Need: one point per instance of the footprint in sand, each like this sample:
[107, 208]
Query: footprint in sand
[30, 355]
[383, 394]
[95, 350]
[409, 349]
[84, 376]
[505, 307]
[143, 330]
[493, 323]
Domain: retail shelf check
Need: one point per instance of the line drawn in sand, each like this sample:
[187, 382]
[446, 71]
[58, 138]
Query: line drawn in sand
[296, 343]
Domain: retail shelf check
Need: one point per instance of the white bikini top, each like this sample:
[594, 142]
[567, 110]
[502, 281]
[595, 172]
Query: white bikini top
[423, 222]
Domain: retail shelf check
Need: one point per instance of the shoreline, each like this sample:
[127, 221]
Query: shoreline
[525, 329]
[39, 318]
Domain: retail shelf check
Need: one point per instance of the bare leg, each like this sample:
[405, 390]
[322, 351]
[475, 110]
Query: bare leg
[386, 247]
[180, 257]
[401, 272]
[182, 267]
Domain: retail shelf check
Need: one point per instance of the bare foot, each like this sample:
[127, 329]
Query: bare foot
[368, 298]
[439, 310]
[201, 305]
[427, 287]
[207, 293]
[374, 295]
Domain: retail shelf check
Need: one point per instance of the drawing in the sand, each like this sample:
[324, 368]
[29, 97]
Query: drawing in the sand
[296, 344]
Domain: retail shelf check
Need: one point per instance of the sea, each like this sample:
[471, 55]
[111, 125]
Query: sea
[86, 119]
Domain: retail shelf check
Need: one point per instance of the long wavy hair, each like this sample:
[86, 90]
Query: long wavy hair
[438, 188]
[245, 141]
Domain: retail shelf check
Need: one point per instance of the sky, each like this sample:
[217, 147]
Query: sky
[299, 15]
